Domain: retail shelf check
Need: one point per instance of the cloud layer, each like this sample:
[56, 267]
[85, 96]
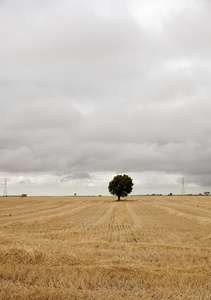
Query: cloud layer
[104, 87]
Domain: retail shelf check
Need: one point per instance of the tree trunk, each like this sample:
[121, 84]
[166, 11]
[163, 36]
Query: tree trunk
[118, 198]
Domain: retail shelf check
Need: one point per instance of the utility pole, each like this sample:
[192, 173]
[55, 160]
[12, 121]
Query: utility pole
[183, 186]
[5, 187]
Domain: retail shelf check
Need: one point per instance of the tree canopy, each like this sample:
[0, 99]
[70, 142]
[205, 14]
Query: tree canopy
[121, 186]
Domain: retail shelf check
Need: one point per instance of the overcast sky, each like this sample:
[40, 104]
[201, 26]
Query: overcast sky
[91, 89]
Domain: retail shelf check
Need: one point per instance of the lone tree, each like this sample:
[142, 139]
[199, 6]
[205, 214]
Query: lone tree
[120, 186]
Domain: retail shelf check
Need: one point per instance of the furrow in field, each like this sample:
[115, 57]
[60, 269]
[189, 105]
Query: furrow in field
[102, 221]
[121, 224]
[191, 206]
[43, 208]
[17, 206]
[154, 223]
[165, 225]
[74, 219]
[90, 217]
[108, 221]
[190, 216]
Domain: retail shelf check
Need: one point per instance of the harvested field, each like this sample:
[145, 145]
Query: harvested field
[144, 247]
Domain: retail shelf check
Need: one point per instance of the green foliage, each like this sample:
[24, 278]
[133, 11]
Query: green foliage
[120, 186]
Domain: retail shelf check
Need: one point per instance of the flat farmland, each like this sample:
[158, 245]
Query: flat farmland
[143, 247]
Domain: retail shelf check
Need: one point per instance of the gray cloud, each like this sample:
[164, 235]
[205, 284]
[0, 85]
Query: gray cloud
[105, 87]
